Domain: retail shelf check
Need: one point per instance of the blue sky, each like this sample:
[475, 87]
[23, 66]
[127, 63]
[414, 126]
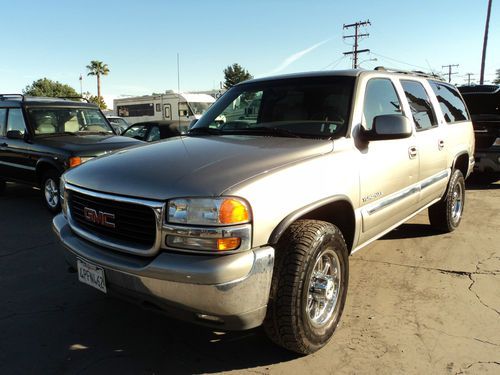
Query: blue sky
[139, 40]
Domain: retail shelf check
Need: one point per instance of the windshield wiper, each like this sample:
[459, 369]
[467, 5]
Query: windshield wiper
[267, 131]
[211, 131]
[55, 134]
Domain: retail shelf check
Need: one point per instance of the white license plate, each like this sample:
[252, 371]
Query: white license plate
[92, 275]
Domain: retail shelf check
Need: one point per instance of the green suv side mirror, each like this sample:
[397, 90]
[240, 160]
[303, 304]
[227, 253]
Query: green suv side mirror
[15, 134]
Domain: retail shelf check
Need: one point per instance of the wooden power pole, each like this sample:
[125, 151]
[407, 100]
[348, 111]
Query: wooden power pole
[485, 43]
[356, 36]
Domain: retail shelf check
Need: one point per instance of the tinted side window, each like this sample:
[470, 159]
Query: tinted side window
[3, 120]
[15, 120]
[420, 105]
[380, 99]
[450, 102]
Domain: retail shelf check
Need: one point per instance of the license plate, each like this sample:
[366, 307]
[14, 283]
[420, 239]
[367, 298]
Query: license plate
[92, 275]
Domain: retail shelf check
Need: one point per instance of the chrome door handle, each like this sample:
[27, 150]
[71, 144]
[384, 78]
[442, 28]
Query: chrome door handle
[440, 144]
[412, 152]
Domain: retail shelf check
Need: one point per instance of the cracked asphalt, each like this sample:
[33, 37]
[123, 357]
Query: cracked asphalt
[419, 302]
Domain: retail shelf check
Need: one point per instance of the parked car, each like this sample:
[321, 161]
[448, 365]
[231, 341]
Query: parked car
[483, 102]
[252, 221]
[40, 138]
[119, 124]
[152, 130]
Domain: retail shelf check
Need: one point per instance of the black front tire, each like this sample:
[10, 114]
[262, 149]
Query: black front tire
[445, 215]
[296, 290]
[49, 185]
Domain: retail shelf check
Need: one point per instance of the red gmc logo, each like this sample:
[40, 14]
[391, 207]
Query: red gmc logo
[98, 217]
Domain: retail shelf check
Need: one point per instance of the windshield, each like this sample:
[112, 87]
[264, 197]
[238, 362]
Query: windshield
[199, 108]
[306, 107]
[53, 121]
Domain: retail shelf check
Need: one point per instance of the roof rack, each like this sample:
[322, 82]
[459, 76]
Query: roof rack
[6, 96]
[73, 97]
[418, 73]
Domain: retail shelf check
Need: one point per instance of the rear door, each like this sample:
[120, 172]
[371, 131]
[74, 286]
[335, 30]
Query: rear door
[15, 154]
[431, 140]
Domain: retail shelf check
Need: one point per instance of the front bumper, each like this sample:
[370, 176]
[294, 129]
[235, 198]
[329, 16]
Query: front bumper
[488, 160]
[227, 292]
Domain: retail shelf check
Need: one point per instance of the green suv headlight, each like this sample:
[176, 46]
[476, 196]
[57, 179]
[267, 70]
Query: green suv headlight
[209, 211]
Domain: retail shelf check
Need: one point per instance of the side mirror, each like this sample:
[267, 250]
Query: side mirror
[15, 134]
[387, 127]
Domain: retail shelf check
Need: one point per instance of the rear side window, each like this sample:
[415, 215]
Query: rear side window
[420, 105]
[451, 103]
[3, 120]
[380, 99]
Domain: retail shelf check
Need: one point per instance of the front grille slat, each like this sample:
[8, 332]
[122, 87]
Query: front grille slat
[134, 223]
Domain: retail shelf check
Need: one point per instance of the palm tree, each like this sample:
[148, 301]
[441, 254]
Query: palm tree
[98, 69]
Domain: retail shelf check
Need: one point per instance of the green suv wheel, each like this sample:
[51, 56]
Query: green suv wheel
[50, 191]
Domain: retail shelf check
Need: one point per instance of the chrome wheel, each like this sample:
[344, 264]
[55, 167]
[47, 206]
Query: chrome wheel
[51, 192]
[456, 203]
[323, 288]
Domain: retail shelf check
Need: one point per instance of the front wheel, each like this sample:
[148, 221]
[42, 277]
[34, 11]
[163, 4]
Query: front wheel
[50, 191]
[309, 286]
[446, 214]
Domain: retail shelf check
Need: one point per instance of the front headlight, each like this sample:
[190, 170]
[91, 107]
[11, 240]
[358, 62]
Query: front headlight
[219, 225]
[209, 211]
[77, 160]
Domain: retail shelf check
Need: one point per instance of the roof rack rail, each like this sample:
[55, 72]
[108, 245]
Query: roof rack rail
[5, 96]
[418, 73]
[74, 97]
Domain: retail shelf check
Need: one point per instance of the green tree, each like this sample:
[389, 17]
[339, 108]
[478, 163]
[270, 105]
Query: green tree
[47, 87]
[497, 80]
[94, 99]
[98, 69]
[234, 74]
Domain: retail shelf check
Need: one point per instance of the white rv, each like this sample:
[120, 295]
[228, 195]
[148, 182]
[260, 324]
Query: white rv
[182, 108]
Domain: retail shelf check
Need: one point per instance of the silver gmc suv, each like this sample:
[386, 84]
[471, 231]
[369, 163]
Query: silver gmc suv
[250, 218]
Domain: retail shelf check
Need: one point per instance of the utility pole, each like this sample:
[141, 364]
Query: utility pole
[356, 36]
[450, 73]
[485, 43]
[468, 77]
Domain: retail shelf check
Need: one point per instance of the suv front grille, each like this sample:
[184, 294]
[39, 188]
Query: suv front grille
[133, 223]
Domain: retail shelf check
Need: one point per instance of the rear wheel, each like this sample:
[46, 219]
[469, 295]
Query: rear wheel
[50, 191]
[309, 286]
[446, 214]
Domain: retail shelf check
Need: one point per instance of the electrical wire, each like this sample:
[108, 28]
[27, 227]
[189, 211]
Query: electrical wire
[333, 64]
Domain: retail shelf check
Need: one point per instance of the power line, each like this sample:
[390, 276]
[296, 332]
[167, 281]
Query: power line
[450, 73]
[398, 61]
[334, 63]
[356, 37]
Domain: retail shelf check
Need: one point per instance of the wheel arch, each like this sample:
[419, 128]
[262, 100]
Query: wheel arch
[461, 163]
[337, 210]
[43, 165]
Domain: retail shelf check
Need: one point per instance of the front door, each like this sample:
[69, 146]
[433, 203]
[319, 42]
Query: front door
[388, 168]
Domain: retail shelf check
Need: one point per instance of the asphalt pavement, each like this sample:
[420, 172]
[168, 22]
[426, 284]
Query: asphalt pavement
[418, 302]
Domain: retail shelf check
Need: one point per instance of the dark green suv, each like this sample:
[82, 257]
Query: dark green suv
[40, 138]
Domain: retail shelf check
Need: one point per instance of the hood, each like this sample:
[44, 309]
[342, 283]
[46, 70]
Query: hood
[87, 145]
[192, 166]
